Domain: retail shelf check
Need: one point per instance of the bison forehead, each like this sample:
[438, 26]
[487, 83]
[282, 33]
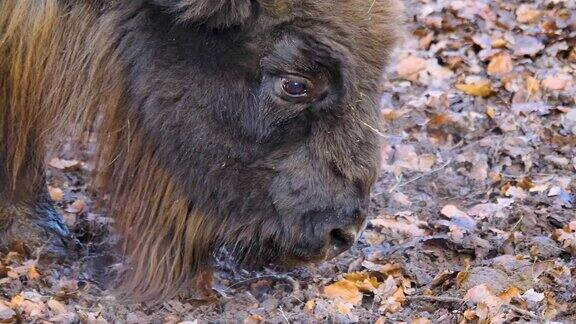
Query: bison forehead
[367, 28]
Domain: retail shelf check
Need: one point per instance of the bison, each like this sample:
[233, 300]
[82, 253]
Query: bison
[250, 125]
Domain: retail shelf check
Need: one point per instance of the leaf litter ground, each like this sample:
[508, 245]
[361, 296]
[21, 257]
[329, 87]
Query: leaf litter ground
[473, 219]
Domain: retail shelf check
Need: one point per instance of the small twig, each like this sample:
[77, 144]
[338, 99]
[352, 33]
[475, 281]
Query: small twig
[443, 299]
[446, 299]
[295, 285]
[371, 6]
[524, 312]
[517, 223]
[283, 314]
[400, 185]
[398, 182]
[373, 129]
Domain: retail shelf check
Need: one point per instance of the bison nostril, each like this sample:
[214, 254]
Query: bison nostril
[341, 240]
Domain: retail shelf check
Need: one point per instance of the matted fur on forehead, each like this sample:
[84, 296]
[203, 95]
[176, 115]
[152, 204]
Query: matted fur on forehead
[379, 15]
[367, 28]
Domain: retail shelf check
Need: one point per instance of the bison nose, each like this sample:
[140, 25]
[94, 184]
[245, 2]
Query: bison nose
[340, 240]
[329, 233]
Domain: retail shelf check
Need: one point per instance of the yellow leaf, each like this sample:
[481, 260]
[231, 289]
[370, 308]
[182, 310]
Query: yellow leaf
[500, 64]
[310, 306]
[343, 308]
[479, 89]
[532, 86]
[399, 295]
[390, 115]
[33, 274]
[470, 315]
[491, 112]
[463, 275]
[526, 184]
[394, 303]
[345, 290]
[526, 14]
[509, 293]
[572, 55]
[254, 319]
[439, 120]
[499, 43]
[420, 320]
[363, 281]
[16, 301]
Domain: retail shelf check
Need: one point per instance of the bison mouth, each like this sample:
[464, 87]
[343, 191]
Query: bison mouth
[279, 251]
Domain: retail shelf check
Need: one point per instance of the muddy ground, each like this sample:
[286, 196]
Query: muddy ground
[473, 219]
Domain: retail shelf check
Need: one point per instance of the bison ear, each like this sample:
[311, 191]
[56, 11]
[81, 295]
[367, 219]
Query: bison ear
[213, 13]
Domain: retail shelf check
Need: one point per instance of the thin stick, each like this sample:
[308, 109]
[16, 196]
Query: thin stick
[442, 299]
[524, 312]
[295, 285]
[283, 314]
[400, 185]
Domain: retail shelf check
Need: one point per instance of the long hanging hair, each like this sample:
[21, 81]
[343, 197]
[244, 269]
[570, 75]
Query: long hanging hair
[60, 69]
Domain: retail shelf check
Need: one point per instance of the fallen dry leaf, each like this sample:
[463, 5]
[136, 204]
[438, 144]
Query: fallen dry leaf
[491, 112]
[309, 306]
[393, 303]
[555, 83]
[16, 300]
[567, 237]
[77, 207]
[479, 89]
[254, 319]
[32, 309]
[495, 279]
[527, 14]
[552, 306]
[479, 293]
[516, 192]
[532, 86]
[66, 165]
[345, 290]
[421, 320]
[7, 315]
[56, 194]
[33, 274]
[507, 295]
[452, 211]
[527, 45]
[500, 64]
[406, 225]
[343, 308]
[363, 281]
[533, 296]
[56, 306]
[408, 67]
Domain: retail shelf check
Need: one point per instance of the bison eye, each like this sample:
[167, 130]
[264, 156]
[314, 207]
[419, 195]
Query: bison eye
[294, 88]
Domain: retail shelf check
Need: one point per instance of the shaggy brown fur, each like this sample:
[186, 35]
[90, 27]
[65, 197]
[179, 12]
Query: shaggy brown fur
[68, 65]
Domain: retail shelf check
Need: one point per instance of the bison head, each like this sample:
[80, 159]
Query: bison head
[265, 113]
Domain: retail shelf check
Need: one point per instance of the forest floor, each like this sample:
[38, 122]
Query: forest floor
[473, 219]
